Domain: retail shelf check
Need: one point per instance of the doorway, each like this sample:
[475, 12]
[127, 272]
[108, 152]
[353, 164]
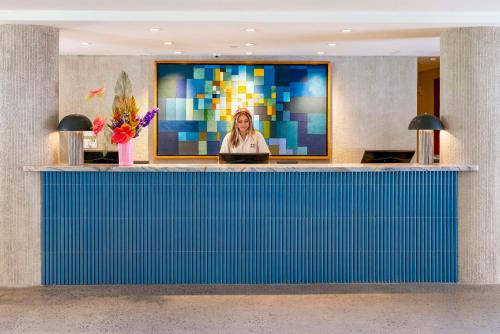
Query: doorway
[428, 88]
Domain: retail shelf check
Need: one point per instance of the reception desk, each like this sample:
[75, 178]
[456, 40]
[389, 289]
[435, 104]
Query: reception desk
[249, 224]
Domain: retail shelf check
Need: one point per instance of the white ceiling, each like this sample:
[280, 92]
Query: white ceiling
[383, 27]
[333, 5]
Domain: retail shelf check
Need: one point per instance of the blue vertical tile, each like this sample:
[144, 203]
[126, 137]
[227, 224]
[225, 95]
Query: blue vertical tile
[248, 228]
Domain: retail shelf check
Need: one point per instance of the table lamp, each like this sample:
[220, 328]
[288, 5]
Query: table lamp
[75, 124]
[425, 124]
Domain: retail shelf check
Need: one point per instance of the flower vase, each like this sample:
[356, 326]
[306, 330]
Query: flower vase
[126, 154]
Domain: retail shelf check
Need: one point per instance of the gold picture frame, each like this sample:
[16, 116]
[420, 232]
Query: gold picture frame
[327, 156]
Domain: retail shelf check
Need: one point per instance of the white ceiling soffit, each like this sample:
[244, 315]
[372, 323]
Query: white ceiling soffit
[268, 16]
[217, 5]
[301, 28]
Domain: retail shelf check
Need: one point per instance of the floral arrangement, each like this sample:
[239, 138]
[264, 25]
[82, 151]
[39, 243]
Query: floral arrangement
[126, 123]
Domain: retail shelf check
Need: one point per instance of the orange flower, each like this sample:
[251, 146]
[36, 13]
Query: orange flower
[125, 109]
[118, 108]
[98, 125]
[122, 134]
[134, 113]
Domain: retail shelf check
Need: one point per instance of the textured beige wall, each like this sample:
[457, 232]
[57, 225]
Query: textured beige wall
[373, 101]
[373, 98]
[29, 111]
[470, 109]
[80, 74]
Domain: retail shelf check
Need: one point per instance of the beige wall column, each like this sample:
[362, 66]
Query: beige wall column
[373, 101]
[470, 109]
[29, 74]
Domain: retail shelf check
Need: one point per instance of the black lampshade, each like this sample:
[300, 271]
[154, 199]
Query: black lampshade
[75, 122]
[426, 122]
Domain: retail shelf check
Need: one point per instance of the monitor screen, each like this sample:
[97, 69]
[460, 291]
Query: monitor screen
[387, 156]
[243, 158]
[98, 157]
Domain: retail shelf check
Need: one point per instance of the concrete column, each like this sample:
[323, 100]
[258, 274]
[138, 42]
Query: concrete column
[29, 74]
[470, 109]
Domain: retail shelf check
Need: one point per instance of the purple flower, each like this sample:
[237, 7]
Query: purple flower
[116, 124]
[137, 131]
[148, 117]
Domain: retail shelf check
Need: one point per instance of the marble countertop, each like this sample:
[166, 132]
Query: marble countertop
[271, 167]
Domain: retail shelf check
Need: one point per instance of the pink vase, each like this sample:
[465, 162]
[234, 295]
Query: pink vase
[126, 154]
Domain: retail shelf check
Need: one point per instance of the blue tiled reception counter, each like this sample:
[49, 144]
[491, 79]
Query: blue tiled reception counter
[249, 224]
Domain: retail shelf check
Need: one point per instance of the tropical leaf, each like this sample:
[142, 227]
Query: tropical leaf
[123, 87]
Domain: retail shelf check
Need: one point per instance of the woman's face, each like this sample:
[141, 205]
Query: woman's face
[243, 123]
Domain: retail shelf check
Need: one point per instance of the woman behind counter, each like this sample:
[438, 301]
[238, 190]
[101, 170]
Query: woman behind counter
[243, 138]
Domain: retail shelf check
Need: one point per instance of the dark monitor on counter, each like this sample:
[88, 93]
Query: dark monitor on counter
[387, 156]
[99, 157]
[243, 158]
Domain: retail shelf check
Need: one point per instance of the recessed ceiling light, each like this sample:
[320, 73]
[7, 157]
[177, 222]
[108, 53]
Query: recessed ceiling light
[168, 43]
[250, 44]
[433, 59]
[154, 29]
[85, 43]
[178, 52]
[250, 30]
[332, 44]
[249, 53]
[320, 53]
[346, 30]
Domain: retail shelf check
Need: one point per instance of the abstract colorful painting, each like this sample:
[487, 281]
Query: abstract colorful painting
[289, 104]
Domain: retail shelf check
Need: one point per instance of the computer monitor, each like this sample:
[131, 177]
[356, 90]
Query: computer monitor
[243, 158]
[387, 156]
[98, 157]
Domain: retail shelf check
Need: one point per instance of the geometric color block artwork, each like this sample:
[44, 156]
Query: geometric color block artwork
[289, 104]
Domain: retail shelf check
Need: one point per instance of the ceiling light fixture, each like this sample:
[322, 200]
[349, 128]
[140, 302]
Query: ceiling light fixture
[320, 53]
[85, 43]
[250, 30]
[250, 44]
[178, 52]
[154, 29]
[346, 30]
[249, 53]
[168, 43]
[332, 44]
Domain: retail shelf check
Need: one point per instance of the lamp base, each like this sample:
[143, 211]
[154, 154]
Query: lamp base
[75, 148]
[426, 147]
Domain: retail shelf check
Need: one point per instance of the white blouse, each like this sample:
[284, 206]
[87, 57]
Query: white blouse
[251, 144]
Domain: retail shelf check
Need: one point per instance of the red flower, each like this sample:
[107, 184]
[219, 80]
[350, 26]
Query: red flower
[122, 134]
[95, 92]
[98, 125]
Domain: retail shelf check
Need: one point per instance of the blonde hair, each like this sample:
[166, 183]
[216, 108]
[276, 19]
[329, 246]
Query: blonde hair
[234, 138]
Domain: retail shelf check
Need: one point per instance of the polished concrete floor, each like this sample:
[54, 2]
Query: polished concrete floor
[254, 309]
